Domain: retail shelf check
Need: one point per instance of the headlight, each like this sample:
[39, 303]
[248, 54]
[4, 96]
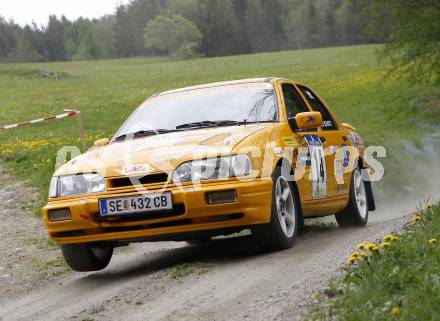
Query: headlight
[213, 168]
[53, 189]
[76, 185]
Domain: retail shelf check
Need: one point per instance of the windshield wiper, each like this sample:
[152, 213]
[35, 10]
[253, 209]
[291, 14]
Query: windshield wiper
[208, 123]
[218, 123]
[256, 122]
[143, 133]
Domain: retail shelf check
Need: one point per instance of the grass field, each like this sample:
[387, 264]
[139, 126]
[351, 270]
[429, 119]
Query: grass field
[401, 282]
[386, 110]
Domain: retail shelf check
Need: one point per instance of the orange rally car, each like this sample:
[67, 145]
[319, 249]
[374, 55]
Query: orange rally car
[199, 162]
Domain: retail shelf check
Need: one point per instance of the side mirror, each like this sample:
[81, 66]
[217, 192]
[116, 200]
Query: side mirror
[102, 142]
[307, 120]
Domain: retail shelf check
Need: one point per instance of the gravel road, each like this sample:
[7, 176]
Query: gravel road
[227, 279]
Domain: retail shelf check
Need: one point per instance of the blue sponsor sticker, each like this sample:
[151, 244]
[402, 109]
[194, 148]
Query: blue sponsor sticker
[312, 140]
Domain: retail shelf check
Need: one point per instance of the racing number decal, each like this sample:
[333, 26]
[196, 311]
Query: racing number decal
[318, 162]
[318, 166]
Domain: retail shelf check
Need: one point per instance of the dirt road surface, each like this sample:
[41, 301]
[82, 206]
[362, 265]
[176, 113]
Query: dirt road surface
[227, 279]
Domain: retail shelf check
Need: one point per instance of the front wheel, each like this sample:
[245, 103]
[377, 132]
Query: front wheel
[282, 230]
[87, 257]
[356, 214]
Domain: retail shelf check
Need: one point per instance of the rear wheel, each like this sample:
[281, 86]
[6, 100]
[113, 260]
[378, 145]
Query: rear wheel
[356, 214]
[282, 230]
[87, 257]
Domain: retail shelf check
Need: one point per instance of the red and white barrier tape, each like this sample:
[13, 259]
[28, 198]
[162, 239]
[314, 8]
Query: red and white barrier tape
[69, 113]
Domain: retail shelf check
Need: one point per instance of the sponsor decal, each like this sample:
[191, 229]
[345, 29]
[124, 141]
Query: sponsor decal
[327, 123]
[290, 141]
[136, 169]
[278, 151]
[346, 155]
[308, 120]
[332, 149]
[318, 166]
[356, 140]
[339, 168]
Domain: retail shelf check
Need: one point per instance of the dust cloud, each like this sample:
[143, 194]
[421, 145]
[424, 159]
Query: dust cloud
[412, 176]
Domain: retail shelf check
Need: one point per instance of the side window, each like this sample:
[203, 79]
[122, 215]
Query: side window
[317, 105]
[293, 101]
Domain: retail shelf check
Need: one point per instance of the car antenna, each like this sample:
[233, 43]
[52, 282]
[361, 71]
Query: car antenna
[245, 122]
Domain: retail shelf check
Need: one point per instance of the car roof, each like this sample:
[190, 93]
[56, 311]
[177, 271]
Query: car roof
[223, 83]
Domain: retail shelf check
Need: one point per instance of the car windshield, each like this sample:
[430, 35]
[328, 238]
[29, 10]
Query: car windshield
[206, 107]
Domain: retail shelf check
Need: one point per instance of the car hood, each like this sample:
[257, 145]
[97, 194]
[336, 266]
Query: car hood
[161, 153]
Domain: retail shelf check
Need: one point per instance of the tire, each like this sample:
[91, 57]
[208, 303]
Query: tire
[356, 214]
[87, 257]
[282, 230]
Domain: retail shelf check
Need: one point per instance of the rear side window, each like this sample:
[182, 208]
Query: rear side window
[328, 121]
[293, 102]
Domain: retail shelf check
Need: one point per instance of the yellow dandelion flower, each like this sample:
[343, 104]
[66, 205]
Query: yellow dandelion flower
[35, 166]
[395, 238]
[395, 311]
[355, 255]
[363, 255]
[385, 245]
[388, 238]
[361, 246]
[374, 249]
[352, 260]
[433, 241]
[428, 205]
[369, 246]
[416, 218]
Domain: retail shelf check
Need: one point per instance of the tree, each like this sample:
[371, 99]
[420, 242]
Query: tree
[211, 28]
[414, 35]
[192, 10]
[29, 46]
[54, 38]
[140, 12]
[172, 35]
[301, 26]
[74, 34]
[97, 42]
[9, 33]
[327, 24]
[122, 33]
[222, 31]
[263, 25]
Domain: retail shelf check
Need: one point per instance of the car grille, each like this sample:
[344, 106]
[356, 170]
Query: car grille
[144, 180]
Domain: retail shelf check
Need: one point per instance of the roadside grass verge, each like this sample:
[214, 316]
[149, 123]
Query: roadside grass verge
[398, 281]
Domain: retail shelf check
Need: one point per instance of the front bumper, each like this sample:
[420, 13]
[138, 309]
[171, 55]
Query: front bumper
[192, 213]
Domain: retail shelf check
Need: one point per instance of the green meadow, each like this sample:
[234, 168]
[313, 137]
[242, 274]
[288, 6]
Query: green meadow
[385, 109]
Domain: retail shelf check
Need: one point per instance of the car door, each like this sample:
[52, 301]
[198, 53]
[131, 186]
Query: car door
[333, 143]
[294, 104]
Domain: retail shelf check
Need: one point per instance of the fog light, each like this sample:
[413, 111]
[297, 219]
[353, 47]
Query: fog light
[59, 215]
[222, 197]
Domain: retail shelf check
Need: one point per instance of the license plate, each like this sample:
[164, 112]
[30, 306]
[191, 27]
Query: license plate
[136, 204]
